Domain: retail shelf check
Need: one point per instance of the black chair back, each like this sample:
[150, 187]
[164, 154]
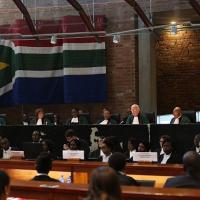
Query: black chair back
[87, 116]
[151, 117]
[116, 117]
[191, 115]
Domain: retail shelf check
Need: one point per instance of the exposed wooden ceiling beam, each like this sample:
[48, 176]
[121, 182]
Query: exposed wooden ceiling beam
[26, 14]
[140, 12]
[195, 6]
[82, 14]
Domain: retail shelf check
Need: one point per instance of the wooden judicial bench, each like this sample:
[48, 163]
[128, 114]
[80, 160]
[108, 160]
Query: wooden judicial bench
[80, 170]
[59, 191]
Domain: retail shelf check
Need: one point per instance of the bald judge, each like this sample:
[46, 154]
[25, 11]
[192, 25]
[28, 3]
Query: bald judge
[136, 116]
[178, 117]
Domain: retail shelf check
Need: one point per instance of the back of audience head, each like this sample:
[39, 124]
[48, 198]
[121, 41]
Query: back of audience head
[4, 185]
[5, 144]
[104, 185]
[168, 147]
[36, 136]
[117, 161]
[75, 144]
[44, 163]
[143, 146]
[191, 161]
[163, 138]
[132, 144]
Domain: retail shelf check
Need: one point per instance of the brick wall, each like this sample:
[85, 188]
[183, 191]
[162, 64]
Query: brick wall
[178, 71]
[121, 67]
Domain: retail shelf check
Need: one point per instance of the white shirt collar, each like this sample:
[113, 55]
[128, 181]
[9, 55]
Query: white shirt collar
[39, 122]
[162, 152]
[105, 158]
[74, 120]
[135, 120]
[104, 122]
[176, 121]
[165, 158]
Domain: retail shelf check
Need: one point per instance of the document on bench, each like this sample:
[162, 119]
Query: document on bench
[70, 154]
[145, 156]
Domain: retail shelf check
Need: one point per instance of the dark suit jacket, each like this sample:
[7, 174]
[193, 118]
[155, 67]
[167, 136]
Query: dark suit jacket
[182, 120]
[142, 119]
[44, 178]
[173, 159]
[183, 182]
[126, 180]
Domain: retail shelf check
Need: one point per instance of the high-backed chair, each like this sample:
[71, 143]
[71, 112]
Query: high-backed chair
[191, 115]
[151, 117]
[87, 116]
[116, 117]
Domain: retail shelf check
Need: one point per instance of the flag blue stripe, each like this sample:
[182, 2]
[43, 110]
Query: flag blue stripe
[67, 89]
[87, 88]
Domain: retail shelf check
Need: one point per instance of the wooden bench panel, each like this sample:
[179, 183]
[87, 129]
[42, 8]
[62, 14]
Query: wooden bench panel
[33, 190]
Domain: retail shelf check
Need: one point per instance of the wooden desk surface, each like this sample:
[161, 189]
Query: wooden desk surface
[88, 166]
[33, 190]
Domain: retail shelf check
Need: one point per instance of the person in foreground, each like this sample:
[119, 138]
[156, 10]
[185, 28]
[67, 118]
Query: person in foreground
[117, 161]
[191, 162]
[170, 156]
[43, 166]
[104, 185]
[4, 185]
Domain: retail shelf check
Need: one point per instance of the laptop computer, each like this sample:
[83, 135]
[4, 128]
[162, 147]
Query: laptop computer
[31, 150]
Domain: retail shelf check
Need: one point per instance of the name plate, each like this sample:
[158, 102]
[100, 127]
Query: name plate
[145, 156]
[16, 154]
[70, 154]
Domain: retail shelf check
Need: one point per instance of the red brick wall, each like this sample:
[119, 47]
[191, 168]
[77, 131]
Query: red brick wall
[122, 81]
[178, 71]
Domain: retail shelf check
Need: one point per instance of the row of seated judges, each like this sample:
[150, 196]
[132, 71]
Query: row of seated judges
[134, 116]
[166, 152]
[106, 182]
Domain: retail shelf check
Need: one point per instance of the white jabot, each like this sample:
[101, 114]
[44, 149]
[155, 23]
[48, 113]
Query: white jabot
[162, 152]
[176, 121]
[101, 153]
[135, 120]
[7, 153]
[74, 120]
[105, 158]
[104, 122]
[39, 122]
[197, 149]
[131, 153]
[165, 158]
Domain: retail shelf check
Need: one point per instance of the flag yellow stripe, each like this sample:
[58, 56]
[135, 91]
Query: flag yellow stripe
[3, 65]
